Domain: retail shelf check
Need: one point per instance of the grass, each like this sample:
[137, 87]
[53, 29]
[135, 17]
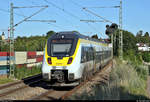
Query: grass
[127, 82]
[26, 72]
[131, 78]
[22, 73]
[5, 80]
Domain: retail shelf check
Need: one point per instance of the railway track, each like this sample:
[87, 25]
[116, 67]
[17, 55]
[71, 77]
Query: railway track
[24, 83]
[62, 94]
[54, 93]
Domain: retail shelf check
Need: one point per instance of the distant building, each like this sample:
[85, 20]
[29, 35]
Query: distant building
[4, 39]
[3, 36]
[143, 47]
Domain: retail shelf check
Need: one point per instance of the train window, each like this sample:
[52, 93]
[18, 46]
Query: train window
[61, 47]
[88, 54]
[83, 55]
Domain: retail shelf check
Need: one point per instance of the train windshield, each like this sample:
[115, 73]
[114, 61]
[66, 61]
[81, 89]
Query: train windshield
[61, 47]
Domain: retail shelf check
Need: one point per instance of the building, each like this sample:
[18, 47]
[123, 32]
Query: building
[143, 47]
[3, 36]
[4, 39]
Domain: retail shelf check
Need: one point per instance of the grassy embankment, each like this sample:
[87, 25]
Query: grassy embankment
[26, 72]
[127, 82]
[5, 80]
[22, 73]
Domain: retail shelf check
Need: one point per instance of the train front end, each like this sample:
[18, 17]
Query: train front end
[61, 62]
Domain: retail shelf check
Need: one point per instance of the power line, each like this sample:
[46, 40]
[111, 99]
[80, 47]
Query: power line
[97, 15]
[93, 21]
[54, 21]
[56, 26]
[62, 9]
[29, 7]
[30, 16]
[76, 3]
[12, 60]
[105, 7]
[90, 26]
[14, 13]
[65, 18]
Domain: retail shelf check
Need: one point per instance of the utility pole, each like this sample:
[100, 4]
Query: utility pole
[11, 51]
[11, 41]
[120, 32]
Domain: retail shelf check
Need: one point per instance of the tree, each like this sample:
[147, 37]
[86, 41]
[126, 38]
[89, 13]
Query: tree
[94, 36]
[146, 38]
[49, 33]
[75, 31]
[140, 33]
[129, 42]
[0, 42]
[146, 34]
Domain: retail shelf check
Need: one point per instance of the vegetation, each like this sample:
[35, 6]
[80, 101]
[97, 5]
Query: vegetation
[140, 38]
[94, 36]
[37, 43]
[26, 72]
[5, 80]
[127, 82]
[146, 56]
[32, 43]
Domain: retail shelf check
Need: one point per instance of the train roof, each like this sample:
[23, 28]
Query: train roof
[71, 34]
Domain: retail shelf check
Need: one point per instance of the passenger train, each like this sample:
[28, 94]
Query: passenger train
[70, 57]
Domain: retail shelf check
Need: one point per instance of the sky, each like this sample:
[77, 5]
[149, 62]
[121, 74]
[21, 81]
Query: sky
[68, 14]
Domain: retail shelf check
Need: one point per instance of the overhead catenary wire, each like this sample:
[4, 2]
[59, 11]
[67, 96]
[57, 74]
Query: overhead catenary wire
[62, 9]
[90, 26]
[31, 15]
[105, 7]
[28, 7]
[56, 25]
[97, 15]
[74, 16]
[65, 18]
[86, 22]
[7, 11]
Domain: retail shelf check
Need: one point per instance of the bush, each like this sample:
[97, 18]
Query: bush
[26, 72]
[133, 57]
[146, 56]
[142, 72]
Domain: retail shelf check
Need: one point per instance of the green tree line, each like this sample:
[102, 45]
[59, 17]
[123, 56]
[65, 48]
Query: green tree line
[130, 50]
[32, 43]
[37, 43]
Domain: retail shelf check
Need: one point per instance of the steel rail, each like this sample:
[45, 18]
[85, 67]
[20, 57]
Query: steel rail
[19, 82]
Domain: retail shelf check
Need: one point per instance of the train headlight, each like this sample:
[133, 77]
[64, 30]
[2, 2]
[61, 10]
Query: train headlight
[49, 60]
[70, 60]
